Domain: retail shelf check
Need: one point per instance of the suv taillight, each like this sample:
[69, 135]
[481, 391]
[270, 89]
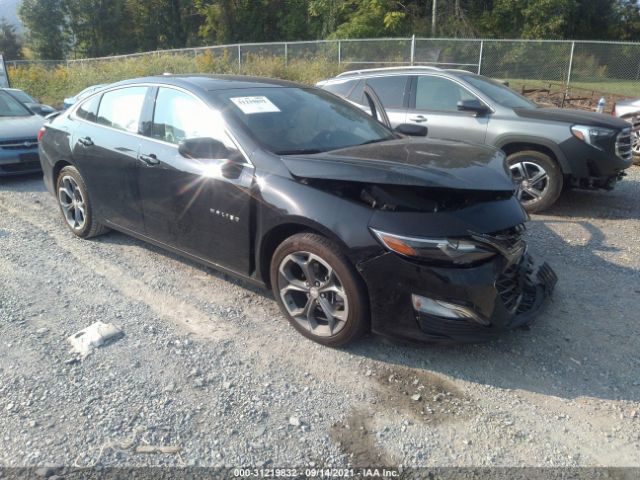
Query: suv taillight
[613, 112]
[40, 134]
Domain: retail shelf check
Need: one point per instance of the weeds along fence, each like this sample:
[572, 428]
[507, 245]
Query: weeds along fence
[607, 67]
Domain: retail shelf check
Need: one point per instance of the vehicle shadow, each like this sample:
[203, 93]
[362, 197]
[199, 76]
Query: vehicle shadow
[582, 343]
[613, 204]
[29, 182]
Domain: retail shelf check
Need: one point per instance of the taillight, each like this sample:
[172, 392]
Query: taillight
[40, 134]
[613, 112]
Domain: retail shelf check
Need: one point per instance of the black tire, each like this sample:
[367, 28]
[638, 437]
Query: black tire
[347, 280]
[89, 227]
[536, 197]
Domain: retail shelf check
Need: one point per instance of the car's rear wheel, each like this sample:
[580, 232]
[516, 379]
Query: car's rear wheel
[318, 290]
[74, 203]
[538, 178]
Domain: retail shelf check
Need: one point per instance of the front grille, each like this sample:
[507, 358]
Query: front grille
[452, 328]
[20, 167]
[516, 289]
[510, 237]
[19, 144]
[508, 242]
[623, 144]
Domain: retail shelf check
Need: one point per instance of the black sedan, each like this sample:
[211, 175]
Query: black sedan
[354, 226]
[19, 129]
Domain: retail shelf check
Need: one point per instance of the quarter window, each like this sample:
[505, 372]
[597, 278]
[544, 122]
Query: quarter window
[121, 108]
[89, 109]
[439, 94]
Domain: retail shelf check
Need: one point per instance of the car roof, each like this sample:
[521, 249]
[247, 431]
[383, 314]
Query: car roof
[406, 70]
[212, 82]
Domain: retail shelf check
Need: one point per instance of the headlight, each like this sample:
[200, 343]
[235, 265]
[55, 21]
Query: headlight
[442, 250]
[592, 135]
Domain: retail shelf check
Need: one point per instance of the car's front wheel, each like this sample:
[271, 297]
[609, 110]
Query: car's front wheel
[319, 290]
[74, 203]
[538, 178]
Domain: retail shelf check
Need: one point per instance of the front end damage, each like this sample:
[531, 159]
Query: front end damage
[447, 260]
[417, 300]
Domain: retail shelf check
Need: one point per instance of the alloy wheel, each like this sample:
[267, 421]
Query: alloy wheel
[72, 203]
[313, 293]
[532, 181]
[635, 139]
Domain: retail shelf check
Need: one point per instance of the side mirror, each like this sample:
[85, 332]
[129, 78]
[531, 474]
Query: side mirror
[412, 130]
[46, 110]
[203, 149]
[474, 105]
[37, 109]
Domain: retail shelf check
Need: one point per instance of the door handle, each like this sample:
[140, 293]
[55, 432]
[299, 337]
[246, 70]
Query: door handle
[418, 119]
[85, 141]
[150, 159]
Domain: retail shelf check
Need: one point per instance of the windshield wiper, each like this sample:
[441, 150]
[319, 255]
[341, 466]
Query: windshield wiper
[377, 140]
[299, 151]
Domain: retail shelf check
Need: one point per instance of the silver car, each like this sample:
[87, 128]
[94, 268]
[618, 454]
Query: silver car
[629, 110]
[548, 149]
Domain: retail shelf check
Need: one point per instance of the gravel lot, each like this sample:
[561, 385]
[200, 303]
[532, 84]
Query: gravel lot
[209, 365]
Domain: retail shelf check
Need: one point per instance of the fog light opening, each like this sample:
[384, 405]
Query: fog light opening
[442, 309]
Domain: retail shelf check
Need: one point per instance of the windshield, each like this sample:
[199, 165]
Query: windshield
[499, 93]
[10, 107]
[21, 96]
[290, 120]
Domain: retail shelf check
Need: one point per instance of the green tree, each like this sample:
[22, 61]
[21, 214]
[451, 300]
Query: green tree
[44, 21]
[99, 27]
[628, 28]
[10, 44]
[161, 24]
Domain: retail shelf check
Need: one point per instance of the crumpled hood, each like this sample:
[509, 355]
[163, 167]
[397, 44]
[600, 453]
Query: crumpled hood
[571, 116]
[416, 162]
[17, 128]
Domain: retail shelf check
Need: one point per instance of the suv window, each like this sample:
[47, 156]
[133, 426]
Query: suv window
[178, 116]
[357, 94]
[440, 94]
[342, 88]
[88, 110]
[390, 90]
[121, 108]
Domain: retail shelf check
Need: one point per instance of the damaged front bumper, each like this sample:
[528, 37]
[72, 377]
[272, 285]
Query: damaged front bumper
[483, 300]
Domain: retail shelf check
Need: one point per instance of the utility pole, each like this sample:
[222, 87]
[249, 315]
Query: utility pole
[434, 14]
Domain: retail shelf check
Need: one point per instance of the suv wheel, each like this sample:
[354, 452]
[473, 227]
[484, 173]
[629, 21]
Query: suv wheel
[73, 199]
[318, 290]
[538, 178]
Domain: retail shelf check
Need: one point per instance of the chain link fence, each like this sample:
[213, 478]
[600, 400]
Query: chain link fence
[607, 67]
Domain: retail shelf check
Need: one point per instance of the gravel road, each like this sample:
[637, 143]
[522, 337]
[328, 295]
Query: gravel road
[207, 363]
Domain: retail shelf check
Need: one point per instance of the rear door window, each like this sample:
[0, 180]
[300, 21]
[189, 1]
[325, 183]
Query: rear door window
[342, 88]
[391, 90]
[121, 108]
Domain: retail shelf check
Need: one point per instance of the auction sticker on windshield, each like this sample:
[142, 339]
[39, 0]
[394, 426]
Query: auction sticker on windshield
[258, 104]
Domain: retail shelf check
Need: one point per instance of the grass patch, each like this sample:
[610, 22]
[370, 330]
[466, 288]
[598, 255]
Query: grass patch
[625, 88]
[52, 85]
